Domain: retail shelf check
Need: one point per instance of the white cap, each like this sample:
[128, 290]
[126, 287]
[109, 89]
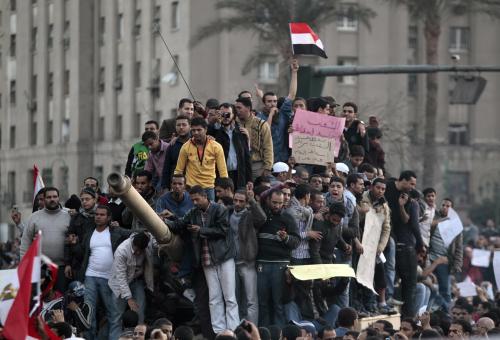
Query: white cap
[281, 167]
[342, 168]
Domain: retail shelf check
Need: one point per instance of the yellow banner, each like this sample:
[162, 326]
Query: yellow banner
[321, 271]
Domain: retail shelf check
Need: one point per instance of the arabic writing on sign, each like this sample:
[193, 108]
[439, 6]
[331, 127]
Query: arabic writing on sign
[317, 124]
[312, 149]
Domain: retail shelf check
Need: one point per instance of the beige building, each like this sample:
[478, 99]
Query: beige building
[79, 78]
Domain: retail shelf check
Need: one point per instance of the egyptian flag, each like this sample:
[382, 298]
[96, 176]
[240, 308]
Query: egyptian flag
[37, 181]
[305, 41]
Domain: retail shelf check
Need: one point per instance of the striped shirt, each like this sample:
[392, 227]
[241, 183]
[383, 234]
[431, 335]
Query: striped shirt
[302, 251]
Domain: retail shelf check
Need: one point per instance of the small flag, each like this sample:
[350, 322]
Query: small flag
[37, 181]
[16, 294]
[305, 41]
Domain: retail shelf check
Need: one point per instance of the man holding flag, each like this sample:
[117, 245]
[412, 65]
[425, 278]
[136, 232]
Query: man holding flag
[54, 222]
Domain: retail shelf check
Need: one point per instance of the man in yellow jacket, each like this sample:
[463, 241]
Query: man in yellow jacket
[199, 158]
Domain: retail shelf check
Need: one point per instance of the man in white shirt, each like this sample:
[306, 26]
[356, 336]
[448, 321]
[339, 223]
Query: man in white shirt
[98, 247]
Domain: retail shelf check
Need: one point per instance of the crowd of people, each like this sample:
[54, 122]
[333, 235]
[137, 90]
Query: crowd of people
[224, 181]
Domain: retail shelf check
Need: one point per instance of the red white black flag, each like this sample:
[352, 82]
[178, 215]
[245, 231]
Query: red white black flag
[305, 41]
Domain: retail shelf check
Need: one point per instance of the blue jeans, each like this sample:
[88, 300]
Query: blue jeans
[94, 287]
[422, 296]
[442, 273]
[138, 294]
[390, 268]
[270, 283]
[331, 315]
[210, 194]
[341, 258]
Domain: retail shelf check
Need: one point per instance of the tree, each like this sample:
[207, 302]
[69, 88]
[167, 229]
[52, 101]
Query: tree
[269, 20]
[431, 13]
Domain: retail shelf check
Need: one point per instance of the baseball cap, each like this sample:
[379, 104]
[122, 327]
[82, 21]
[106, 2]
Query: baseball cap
[342, 167]
[281, 167]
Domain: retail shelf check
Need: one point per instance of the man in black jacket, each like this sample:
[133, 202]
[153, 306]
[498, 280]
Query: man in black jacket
[98, 247]
[183, 133]
[406, 234]
[277, 237]
[207, 224]
[234, 141]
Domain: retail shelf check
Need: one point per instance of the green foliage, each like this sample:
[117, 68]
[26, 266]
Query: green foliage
[269, 20]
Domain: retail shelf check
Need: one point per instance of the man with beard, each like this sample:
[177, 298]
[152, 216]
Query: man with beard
[280, 118]
[235, 143]
[200, 157]
[277, 237]
[142, 183]
[53, 222]
[182, 130]
[406, 233]
[245, 218]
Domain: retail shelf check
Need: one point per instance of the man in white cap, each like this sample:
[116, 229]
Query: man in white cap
[342, 170]
[281, 172]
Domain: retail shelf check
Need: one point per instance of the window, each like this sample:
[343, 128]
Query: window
[0, 100]
[174, 15]
[66, 35]
[157, 116]
[412, 85]
[99, 173]
[118, 127]
[50, 129]
[66, 82]
[12, 5]
[102, 30]
[50, 85]
[64, 177]
[12, 92]
[12, 140]
[268, 72]
[346, 19]
[28, 194]
[48, 177]
[459, 39]
[137, 124]
[458, 125]
[101, 79]
[11, 187]
[119, 77]
[50, 36]
[137, 28]
[157, 19]
[119, 26]
[65, 130]
[347, 61]
[12, 45]
[137, 74]
[34, 92]
[34, 36]
[117, 168]
[458, 187]
[100, 129]
[412, 37]
[33, 132]
[0, 136]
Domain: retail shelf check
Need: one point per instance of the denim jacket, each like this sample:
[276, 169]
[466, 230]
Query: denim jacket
[279, 131]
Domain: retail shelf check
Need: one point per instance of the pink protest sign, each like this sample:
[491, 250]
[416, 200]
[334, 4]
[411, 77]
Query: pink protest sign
[321, 125]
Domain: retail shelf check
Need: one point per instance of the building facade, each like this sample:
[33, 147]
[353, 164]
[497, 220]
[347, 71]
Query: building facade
[79, 78]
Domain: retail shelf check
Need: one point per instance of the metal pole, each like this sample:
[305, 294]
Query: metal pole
[322, 71]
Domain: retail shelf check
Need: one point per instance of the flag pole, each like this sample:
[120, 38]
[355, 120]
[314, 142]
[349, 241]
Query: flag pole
[291, 43]
[38, 297]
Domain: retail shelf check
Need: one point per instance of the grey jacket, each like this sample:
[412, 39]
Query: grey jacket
[122, 272]
[250, 222]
